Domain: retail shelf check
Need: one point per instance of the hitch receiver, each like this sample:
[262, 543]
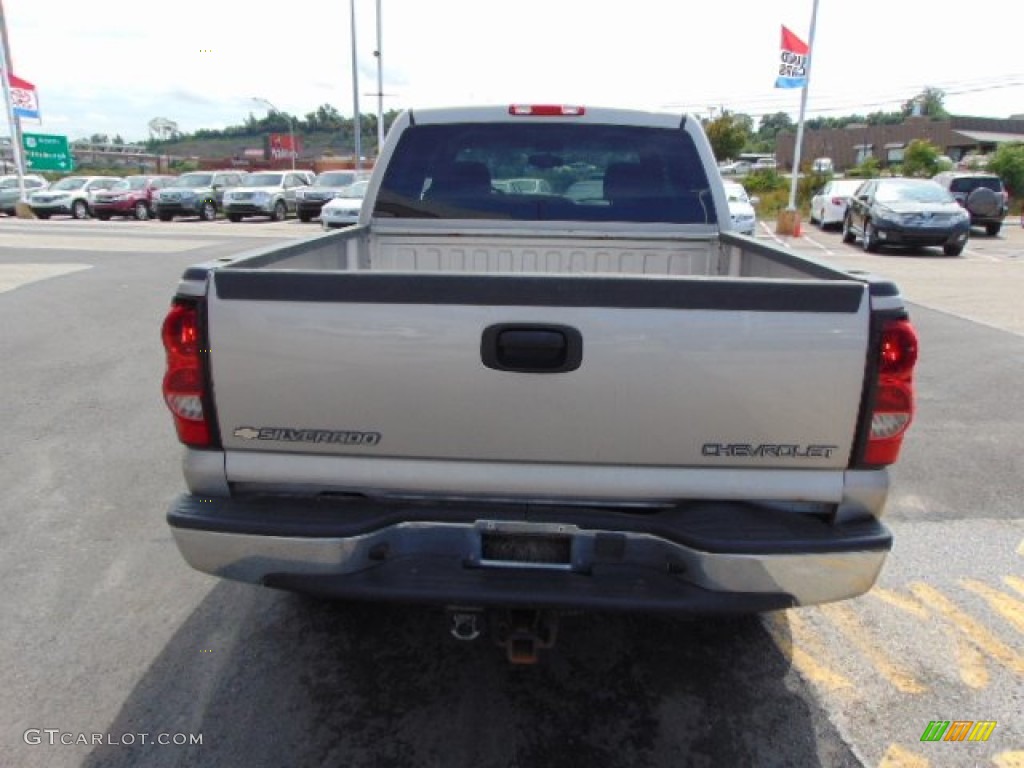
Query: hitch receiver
[524, 632]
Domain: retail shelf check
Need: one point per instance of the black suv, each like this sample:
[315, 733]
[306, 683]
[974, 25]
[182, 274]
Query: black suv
[982, 194]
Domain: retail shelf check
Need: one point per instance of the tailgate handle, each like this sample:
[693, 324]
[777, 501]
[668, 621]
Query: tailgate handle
[531, 348]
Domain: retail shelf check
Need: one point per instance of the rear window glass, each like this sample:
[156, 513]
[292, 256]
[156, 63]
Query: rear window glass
[552, 172]
[971, 183]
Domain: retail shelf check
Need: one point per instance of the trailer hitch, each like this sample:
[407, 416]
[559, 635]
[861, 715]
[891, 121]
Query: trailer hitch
[524, 632]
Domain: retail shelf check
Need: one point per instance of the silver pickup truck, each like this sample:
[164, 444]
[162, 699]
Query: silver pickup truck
[515, 404]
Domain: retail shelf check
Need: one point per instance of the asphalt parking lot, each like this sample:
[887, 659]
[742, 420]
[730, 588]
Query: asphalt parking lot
[983, 284]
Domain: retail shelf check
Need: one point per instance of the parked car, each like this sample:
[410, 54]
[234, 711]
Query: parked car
[828, 207]
[71, 196]
[982, 194]
[822, 165]
[765, 164]
[522, 186]
[343, 210]
[200, 193]
[739, 168]
[131, 197]
[741, 207]
[309, 201]
[907, 212]
[10, 192]
[266, 193]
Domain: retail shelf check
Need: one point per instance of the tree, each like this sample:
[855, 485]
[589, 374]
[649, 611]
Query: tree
[746, 122]
[885, 118]
[921, 158]
[1008, 162]
[774, 124]
[931, 102]
[868, 168]
[727, 136]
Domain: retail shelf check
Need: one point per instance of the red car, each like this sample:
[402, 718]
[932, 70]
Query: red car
[131, 197]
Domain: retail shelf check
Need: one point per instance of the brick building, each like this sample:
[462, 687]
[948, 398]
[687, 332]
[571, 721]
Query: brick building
[955, 137]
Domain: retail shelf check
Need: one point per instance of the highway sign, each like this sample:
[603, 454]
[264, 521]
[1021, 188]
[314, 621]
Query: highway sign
[47, 153]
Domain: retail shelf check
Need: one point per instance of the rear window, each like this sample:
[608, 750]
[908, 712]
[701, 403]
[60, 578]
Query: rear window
[971, 183]
[546, 172]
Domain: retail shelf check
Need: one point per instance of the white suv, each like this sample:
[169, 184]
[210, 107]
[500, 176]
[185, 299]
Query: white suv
[71, 196]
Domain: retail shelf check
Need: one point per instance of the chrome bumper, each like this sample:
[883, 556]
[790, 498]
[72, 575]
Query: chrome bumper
[406, 558]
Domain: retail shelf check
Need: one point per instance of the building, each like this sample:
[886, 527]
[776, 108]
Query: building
[849, 146]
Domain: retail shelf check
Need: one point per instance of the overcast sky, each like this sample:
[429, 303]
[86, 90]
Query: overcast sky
[110, 66]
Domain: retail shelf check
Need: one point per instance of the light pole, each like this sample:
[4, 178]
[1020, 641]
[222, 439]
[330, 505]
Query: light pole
[357, 124]
[291, 125]
[380, 85]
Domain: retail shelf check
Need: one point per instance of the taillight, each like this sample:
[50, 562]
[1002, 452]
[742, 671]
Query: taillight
[893, 407]
[837, 201]
[184, 381]
[547, 110]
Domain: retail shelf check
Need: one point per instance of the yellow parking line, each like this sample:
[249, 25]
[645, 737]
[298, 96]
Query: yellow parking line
[793, 645]
[899, 757]
[974, 630]
[857, 634]
[899, 601]
[1010, 609]
[1015, 582]
[971, 663]
[1020, 547]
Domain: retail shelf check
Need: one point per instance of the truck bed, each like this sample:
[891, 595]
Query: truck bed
[705, 253]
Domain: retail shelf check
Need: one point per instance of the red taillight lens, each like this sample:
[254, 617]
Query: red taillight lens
[184, 381]
[546, 110]
[898, 354]
[837, 201]
[893, 408]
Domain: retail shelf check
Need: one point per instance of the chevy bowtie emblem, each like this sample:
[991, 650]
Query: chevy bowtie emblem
[247, 433]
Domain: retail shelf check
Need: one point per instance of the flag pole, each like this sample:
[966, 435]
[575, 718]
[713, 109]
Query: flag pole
[16, 155]
[803, 109]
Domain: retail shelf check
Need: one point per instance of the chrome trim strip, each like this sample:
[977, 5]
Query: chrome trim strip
[383, 476]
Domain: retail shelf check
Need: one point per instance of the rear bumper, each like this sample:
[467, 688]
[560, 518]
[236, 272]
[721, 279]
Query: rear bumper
[981, 221]
[697, 558]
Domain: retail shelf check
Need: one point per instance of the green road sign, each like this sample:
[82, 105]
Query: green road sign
[47, 153]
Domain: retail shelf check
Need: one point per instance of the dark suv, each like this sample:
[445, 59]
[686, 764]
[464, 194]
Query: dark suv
[982, 194]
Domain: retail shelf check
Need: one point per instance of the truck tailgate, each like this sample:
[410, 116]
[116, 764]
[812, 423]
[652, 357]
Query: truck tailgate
[652, 371]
